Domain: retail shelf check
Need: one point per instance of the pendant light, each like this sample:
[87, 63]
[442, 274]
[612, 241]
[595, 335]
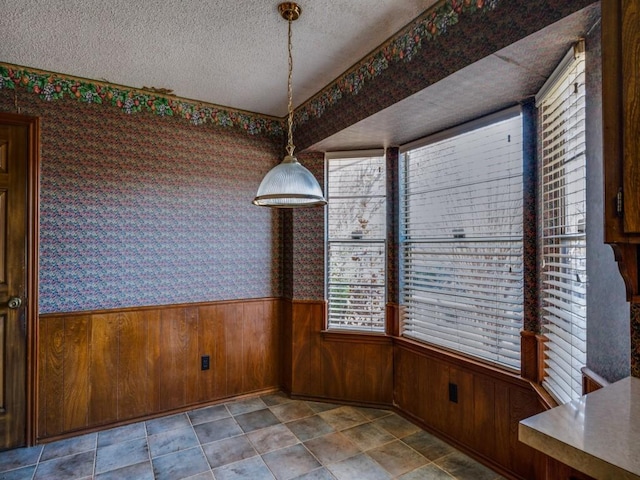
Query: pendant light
[289, 185]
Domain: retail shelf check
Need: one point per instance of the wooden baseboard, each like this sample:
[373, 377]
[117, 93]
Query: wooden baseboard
[187, 408]
[342, 401]
[453, 441]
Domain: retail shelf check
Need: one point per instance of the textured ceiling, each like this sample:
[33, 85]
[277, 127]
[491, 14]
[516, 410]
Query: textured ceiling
[230, 53]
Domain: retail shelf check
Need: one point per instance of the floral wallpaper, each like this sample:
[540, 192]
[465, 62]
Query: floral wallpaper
[392, 155]
[306, 247]
[50, 86]
[529, 220]
[147, 211]
[635, 339]
[402, 47]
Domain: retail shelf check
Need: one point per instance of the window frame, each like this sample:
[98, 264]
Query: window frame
[354, 154]
[569, 345]
[505, 114]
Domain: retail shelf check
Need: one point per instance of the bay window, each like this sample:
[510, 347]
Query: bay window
[461, 239]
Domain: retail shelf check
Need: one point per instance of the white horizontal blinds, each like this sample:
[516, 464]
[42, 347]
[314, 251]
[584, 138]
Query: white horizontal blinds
[356, 230]
[461, 238]
[563, 279]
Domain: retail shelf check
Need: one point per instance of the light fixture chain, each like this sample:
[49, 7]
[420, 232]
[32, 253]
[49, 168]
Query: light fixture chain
[290, 146]
[289, 184]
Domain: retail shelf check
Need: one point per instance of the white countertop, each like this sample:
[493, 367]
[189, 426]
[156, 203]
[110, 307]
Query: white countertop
[597, 434]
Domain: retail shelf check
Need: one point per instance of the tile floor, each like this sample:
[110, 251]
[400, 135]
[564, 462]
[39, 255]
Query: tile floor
[259, 438]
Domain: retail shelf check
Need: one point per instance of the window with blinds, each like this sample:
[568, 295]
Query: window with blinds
[563, 281]
[461, 239]
[355, 246]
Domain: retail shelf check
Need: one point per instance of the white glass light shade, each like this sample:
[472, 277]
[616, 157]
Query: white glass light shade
[289, 185]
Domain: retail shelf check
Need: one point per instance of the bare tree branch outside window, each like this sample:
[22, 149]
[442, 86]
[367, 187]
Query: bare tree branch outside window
[356, 243]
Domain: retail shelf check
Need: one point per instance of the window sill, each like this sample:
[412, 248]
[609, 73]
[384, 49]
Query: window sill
[356, 336]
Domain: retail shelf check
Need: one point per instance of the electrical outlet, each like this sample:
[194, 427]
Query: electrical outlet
[205, 362]
[453, 393]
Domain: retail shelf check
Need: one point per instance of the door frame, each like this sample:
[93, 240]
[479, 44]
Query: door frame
[32, 245]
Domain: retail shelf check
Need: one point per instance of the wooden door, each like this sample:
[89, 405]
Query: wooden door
[14, 163]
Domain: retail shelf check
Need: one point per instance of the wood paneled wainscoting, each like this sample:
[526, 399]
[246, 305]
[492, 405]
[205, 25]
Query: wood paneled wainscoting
[337, 365]
[104, 368]
[468, 403]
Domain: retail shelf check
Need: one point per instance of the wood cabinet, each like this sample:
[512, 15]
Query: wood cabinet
[621, 125]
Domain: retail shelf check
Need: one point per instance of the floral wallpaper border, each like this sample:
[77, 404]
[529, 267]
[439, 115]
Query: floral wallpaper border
[402, 47]
[52, 86]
